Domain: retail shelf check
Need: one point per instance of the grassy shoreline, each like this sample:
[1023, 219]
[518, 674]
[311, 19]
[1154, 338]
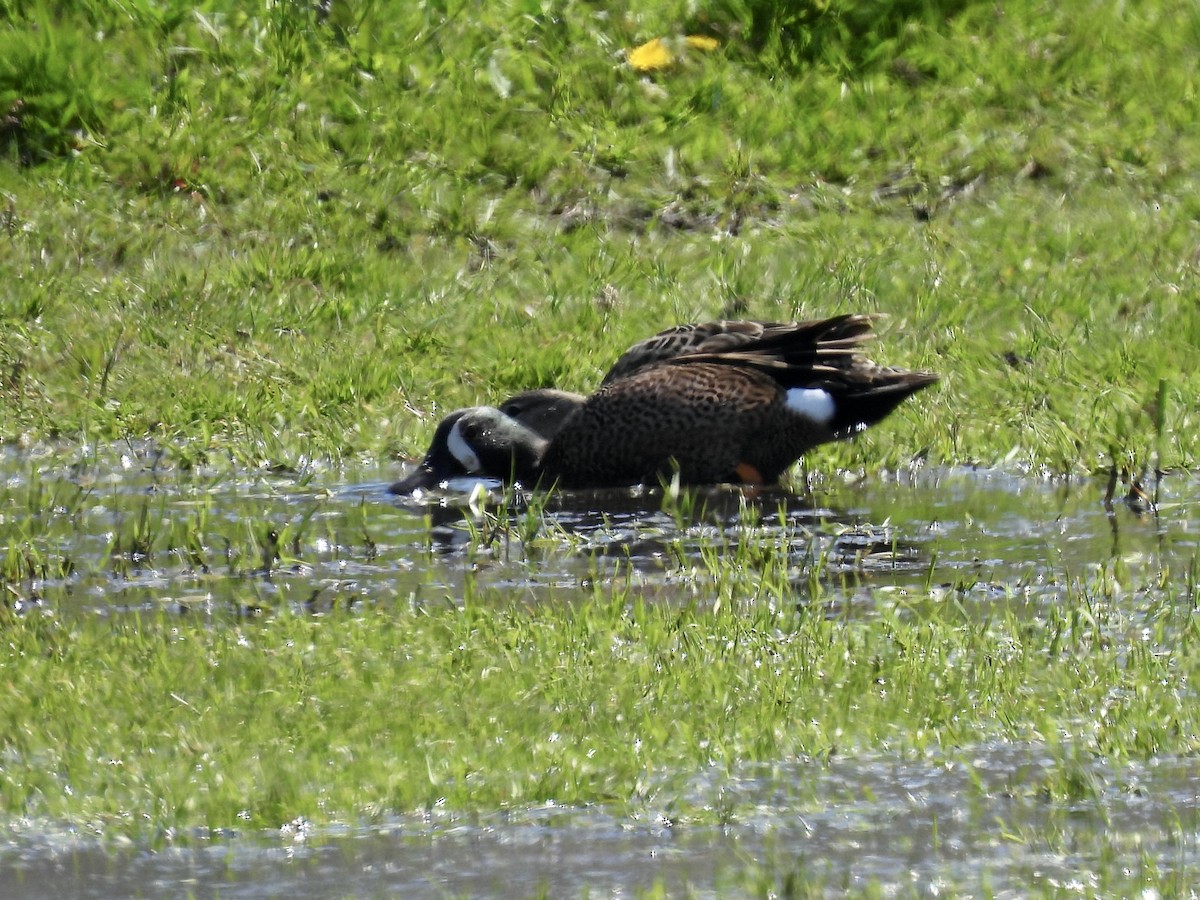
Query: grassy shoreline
[273, 236]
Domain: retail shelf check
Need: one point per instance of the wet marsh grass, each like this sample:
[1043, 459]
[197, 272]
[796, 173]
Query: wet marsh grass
[276, 243]
[151, 722]
[292, 694]
[444, 706]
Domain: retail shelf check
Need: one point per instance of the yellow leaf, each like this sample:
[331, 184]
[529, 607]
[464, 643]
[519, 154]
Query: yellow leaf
[650, 56]
[658, 54]
[702, 42]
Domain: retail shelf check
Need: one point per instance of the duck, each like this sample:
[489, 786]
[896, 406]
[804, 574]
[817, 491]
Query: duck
[716, 402]
[545, 409]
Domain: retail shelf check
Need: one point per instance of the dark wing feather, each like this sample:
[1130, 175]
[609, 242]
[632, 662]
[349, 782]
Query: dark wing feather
[683, 340]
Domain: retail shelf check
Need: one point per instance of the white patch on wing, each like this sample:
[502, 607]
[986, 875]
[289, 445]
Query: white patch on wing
[462, 451]
[813, 403]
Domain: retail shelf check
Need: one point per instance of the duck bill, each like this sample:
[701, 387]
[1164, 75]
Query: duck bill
[423, 478]
[439, 464]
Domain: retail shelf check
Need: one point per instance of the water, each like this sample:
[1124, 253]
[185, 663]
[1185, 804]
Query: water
[118, 532]
[921, 827]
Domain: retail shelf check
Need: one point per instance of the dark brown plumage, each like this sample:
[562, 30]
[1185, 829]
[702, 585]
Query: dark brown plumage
[680, 340]
[718, 402]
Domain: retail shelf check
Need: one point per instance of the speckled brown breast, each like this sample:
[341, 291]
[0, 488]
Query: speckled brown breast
[717, 423]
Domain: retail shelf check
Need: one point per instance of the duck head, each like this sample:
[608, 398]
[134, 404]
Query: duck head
[479, 441]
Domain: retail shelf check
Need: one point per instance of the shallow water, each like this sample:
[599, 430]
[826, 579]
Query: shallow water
[128, 534]
[924, 827]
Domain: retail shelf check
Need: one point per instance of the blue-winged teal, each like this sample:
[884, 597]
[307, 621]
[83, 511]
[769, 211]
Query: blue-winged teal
[718, 402]
[545, 409]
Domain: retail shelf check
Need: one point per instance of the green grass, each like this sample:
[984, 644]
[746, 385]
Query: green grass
[279, 236]
[145, 724]
[263, 238]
